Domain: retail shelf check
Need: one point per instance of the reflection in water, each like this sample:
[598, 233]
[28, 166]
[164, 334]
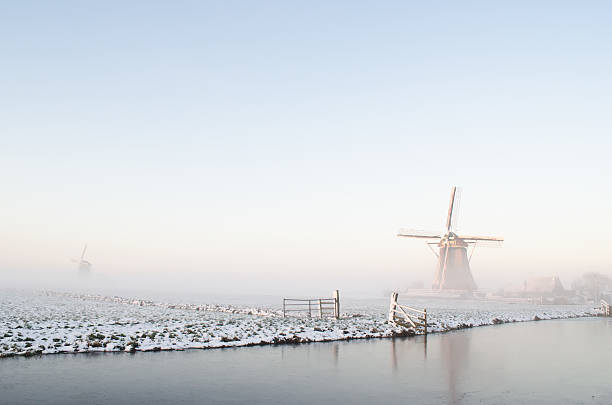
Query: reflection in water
[400, 343]
[310, 350]
[335, 347]
[454, 349]
[393, 355]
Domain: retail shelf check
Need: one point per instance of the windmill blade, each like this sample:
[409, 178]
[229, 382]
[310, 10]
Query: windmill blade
[456, 209]
[489, 243]
[451, 206]
[443, 272]
[415, 233]
[481, 238]
[83, 254]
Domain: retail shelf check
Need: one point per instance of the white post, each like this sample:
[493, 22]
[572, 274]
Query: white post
[337, 302]
[392, 305]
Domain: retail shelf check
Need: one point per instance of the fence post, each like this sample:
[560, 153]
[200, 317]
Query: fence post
[284, 312]
[320, 309]
[309, 310]
[425, 320]
[337, 302]
[392, 307]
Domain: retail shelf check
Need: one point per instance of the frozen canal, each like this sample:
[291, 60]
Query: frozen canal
[556, 361]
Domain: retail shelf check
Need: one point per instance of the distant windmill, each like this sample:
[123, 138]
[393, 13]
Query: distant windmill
[453, 272]
[84, 266]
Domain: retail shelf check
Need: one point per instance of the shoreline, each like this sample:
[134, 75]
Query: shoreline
[172, 327]
[407, 333]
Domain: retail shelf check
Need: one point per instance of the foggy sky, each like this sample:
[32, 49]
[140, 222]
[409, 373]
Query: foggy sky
[277, 148]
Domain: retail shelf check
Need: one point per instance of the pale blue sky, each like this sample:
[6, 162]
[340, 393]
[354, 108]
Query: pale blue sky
[254, 141]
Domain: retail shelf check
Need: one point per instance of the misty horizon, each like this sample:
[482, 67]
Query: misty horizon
[246, 160]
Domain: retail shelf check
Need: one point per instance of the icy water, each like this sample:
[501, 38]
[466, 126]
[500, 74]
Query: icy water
[548, 362]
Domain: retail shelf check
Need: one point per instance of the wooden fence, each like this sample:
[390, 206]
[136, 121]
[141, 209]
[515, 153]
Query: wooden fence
[323, 307]
[605, 307]
[402, 315]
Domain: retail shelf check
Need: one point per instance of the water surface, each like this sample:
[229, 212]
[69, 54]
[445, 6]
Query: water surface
[548, 362]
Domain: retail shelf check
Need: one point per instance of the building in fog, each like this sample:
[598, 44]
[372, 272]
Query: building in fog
[543, 287]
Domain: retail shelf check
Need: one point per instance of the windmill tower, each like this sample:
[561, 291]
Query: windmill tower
[453, 271]
[84, 266]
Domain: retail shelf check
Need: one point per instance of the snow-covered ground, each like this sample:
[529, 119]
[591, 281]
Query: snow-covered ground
[52, 322]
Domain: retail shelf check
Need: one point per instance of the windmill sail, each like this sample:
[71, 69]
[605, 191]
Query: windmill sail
[452, 218]
[482, 238]
[456, 209]
[451, 205]
[84, 266]
[417, 233]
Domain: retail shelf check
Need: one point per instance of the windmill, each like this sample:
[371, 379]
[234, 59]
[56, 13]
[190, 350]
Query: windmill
[453, 271]
[84, 266]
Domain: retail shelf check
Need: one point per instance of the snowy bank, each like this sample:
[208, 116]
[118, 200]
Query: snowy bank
[51, 322]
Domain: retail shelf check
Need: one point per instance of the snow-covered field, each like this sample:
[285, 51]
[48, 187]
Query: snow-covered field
[51, 322]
